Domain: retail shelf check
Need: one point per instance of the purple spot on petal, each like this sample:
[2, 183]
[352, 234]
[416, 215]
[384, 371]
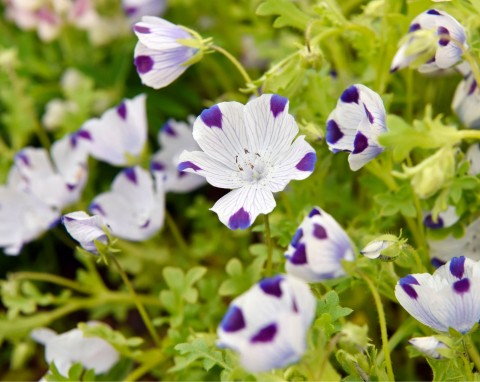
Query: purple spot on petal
[299, 257]
[472, 88]
[360, 143]
[408, 289]
[444, 40]
[146, 224]
[212, 117]
[369, 115]
[350, 95]
[266, 334]
[433, 12]
[141, 29]
[181, 174]
[431, 61]
[233, 320]
[271, 286]
[313, 212]
[461, 286]
[185, 165]
[409, 280]
[319, 232]
[294, 305]
[394, 69]
[130, 11]
[414, 27]
[334, 134]
[457, 266]
[96, 209]
[122, 110]
[168, 129]
[22, 157]
[307, 163]
[130, 174]
[71, 187]
[277, 104]
[84, 134]
[428, 222]
[157, 166]
[239, 220]
[437, 262]
[144, 64]
[296, 238]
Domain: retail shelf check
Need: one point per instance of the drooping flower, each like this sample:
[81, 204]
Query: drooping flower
[248, 149]
[23, 218]
[355, 124]
[164, 51]
[468, 245]
[466, 101]
[135, 207]
[428, 345]
[267, 325]
[317, 248]
[73, 347]
[120, 133]
[58, 179]
[86, 229]
[444, 219]
[174, 137]
[473, 156]
[136, 9]
[434, 41]
[446, 299]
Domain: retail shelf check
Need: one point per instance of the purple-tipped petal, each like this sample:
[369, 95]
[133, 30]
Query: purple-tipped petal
[433, 12]
[457, 266]
[360, 143]
[414, 27]
[139, 28]
[299, 257]
[266, 334]
[277, 104]
[131, 175]
[144, 64]
[188, 165]
[233, 321]
[239, 220]
[122, 111]
[319, 232]
[307, 163]
[461, 286]
[212, 117]
[350, 95]
[334, 134]
[271, 286]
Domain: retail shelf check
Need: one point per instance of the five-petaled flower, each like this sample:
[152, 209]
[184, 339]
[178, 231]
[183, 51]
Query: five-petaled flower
[248, 148]
[435, 41]
[267, 325]
[164, 51]
[355, 124]
[446, 299]
[317, 248]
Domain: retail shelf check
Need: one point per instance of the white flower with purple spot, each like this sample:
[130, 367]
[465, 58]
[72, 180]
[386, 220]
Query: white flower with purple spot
[428, 346]
[119, 135]
[318, 248]
[135, 207]
[248, 148]
[72, 347]
[466, 101]
[446, 299]
[86, 229]
[434, 34]
[174, 137]
[57, 180]
[267, 325]
[355, 124]
[444, 219]
[136, 9]
[468, 245]
[23, 218]
[473, 157]
[164, 51]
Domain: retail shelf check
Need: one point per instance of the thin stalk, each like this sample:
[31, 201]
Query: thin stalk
[236, 63]
[139, 305]
[268, 241]
[49, 278]
[473, 352]
[405, 330]
[383, 324]
[172, 226]
[473, 63]
[144, 368]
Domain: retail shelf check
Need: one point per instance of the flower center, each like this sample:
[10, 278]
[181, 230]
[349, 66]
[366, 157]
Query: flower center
[252, 167]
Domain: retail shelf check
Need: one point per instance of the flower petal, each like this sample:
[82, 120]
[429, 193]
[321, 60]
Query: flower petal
[85, 229]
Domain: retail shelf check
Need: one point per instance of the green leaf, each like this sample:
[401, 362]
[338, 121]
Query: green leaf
[447, 369]
[287, 14]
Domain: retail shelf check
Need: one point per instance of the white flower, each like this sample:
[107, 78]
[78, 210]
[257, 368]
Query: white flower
[136, 9]
[23, 218]
[267, 325]
[174, 137]
[317, 248]
[249, 149]
[433, 33]
[86, 229]
[468, 245]
[473, 156]
[160, 56]
[466, 101]
[428, 345]
[73, 347]
[355, 124]
[446, 299]
[444, 219]
[373, 250]
[135, 208]
[120, 133]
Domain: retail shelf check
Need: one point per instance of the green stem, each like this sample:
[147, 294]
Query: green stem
[139, 305]
[473, 352]
[383, 323]
[468, 134]
[144, 368]
[172, 226]
[405, 330]
[473, 63]
[47, 277]
[237, 64]
[268, 241]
